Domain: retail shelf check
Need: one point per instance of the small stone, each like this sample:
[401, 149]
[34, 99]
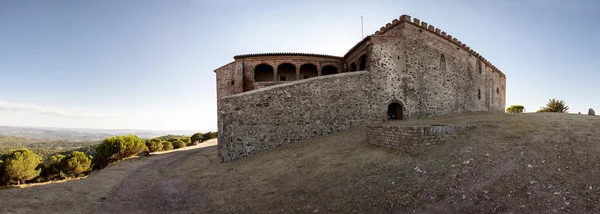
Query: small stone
[557, 193]
[529, 165]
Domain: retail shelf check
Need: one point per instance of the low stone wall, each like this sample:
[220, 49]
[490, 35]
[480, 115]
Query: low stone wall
[265, 118]
[412, 139]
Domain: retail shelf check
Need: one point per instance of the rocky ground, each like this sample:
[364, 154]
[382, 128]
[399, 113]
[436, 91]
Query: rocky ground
[520, 163]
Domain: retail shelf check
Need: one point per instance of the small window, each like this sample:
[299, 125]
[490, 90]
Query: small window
[497, 90]
[479, 94]
[282, 78]
[479, 66]
[232, 82]
[443, 62]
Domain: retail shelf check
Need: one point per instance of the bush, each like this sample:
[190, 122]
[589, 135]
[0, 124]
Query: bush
[76, 164]
[555, 105]
[179, 143]
[167, 146]
[515, 109]
[209, 135]
[154, 145]
[51, 169]
[196, 138]
[117, 148]
[20, 165]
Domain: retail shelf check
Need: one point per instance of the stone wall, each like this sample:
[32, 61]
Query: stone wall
[269, 117]
[412, 139]
[430, 75]
[229, 79]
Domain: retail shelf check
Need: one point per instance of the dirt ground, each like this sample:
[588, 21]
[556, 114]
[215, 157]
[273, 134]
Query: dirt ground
[511, 163]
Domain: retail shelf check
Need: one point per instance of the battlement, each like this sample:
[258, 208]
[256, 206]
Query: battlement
[425, 26]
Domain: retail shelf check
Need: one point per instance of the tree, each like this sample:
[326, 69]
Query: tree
[555, 105]
[76, 163]
[52, 168]
[20, 165]
[167, 146]
[515, 109]
[117, 148]
[154, 145]
[179, 143]
[196, 138]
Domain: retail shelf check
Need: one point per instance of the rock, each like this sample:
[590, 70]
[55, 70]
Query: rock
[591, 112]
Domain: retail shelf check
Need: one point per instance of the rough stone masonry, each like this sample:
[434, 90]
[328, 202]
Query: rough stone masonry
[406, 70]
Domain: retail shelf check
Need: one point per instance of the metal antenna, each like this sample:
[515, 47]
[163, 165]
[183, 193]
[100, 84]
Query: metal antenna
[362, 36]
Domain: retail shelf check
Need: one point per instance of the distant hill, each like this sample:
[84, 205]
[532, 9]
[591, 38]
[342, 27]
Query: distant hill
[81, 134]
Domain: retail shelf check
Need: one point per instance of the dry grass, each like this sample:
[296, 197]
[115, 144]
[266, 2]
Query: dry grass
[511, 163]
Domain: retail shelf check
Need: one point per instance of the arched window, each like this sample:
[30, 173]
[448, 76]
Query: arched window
[395, 111]
[286, 72]
[328, 70]
[308, 71]
[362, 63]
[479, 94]
[497, 90]
[353, 67]
[443, 62]
[263, 73]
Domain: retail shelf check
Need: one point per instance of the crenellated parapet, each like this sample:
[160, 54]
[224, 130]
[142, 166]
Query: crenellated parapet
[426, 26]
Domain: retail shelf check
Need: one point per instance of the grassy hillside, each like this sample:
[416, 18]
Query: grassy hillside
[511, 163]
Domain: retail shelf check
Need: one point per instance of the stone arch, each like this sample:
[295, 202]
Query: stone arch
[353, 67]
[328, 70]
[308, 70]
[286, 72]
[263, 73]
[395, 111]
[362, 62]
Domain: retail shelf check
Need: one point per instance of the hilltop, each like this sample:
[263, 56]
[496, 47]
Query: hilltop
[543, 162]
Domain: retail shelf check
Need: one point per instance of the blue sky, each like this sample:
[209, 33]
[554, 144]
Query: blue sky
[137, 64]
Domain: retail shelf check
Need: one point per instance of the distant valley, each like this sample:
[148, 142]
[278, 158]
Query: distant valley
[81, 134]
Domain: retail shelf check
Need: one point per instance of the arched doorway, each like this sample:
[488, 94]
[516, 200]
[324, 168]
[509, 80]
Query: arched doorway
[362, 63]
[395, 111]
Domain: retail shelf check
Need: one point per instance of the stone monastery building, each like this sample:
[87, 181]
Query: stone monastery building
[406, 70]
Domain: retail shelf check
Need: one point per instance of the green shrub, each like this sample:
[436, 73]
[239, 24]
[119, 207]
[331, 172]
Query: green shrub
[179, 143]
[117, 148]
[154, 145]
[20, 165]
[167, 146]
[515, 109]
[196, 138]
[555, 105]
[51, 169]
[209, 135]
[76, 164]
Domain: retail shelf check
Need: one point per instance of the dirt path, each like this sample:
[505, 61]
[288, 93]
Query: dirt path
[92, 194]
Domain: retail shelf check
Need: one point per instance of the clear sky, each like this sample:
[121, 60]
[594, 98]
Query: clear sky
[143, 64]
